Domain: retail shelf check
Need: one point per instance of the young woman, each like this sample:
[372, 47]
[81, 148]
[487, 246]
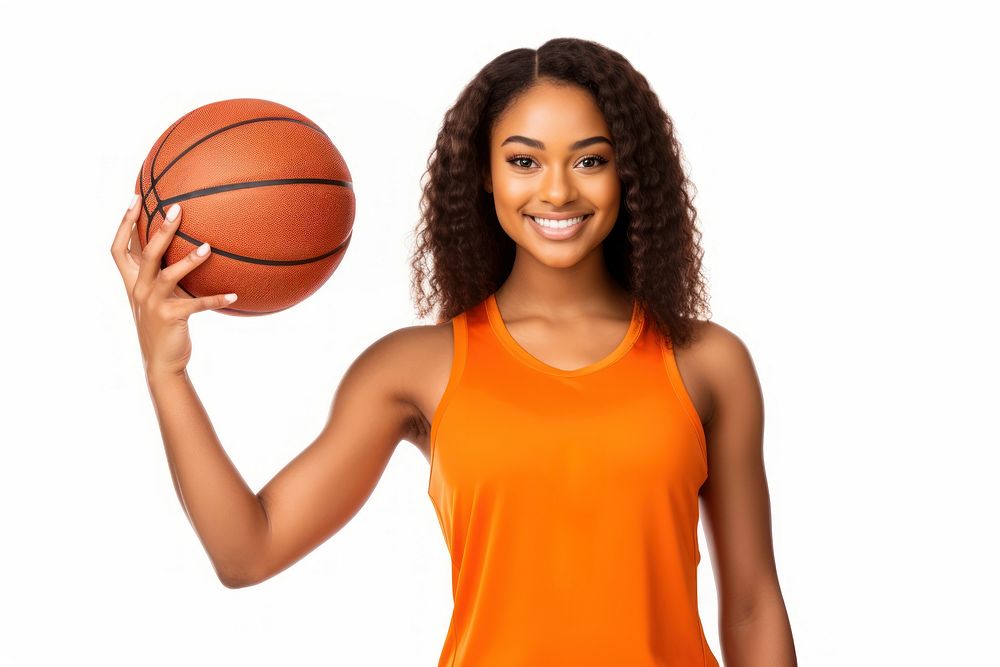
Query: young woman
[572, 406]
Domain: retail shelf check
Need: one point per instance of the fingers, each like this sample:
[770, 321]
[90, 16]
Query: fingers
[196, 305]
[134, 247]
[151, 281]
[119, 247]
[170, 276]
[152, 254]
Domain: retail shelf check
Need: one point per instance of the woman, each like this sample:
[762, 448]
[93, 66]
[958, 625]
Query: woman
[572, 406]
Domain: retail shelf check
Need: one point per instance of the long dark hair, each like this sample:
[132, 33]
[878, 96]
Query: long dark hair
[462, 254]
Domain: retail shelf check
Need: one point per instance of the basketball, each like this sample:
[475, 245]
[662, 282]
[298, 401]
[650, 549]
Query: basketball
[265, 187]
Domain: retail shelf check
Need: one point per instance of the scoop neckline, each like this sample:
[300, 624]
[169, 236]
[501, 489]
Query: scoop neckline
[509, 342]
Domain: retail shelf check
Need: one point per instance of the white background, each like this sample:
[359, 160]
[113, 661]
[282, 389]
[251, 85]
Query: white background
[846, 164]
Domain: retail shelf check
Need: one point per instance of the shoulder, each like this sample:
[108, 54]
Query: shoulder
[724, 365]
[409, 351]
[717, 344]
[411, 361]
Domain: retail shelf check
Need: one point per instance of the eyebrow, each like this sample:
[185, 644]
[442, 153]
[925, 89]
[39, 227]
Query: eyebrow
[534, 143]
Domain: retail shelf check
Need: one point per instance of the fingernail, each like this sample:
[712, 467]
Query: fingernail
[202, 250]
[173, 212]
[230, 298]
[135, 200]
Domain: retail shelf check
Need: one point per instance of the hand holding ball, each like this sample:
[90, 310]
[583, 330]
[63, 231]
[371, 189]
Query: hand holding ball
[265, 187]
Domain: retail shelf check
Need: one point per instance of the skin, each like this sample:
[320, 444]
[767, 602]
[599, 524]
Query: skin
[559, 303]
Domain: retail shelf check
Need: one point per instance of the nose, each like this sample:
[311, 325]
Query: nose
[557, 187]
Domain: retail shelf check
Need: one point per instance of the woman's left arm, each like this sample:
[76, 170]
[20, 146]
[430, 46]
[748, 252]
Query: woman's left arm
[753, 622]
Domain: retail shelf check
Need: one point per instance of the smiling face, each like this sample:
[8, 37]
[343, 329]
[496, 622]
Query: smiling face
[551, 156]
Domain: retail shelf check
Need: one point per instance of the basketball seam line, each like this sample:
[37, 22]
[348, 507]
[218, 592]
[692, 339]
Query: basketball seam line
[216, 189]
[267, 262]
[208, 136]
[152, 182]
[252, 184]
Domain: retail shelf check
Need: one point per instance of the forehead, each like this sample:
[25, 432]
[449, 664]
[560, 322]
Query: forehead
[557, 115]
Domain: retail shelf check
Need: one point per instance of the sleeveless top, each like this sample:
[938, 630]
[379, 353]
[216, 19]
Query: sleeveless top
[568, 500]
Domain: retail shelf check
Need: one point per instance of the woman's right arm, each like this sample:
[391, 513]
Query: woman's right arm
[224, 512]
[250, 537]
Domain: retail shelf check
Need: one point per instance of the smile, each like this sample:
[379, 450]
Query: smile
[558, 229]
[558, 224]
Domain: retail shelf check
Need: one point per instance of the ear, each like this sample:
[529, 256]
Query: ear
[488, 181]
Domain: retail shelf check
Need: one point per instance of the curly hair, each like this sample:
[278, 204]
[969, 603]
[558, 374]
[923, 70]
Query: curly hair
[462, 255]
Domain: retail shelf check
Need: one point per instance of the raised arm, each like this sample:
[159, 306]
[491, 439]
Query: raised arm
[250, 537]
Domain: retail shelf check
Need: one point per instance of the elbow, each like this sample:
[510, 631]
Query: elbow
[237, 582]
[237, 578]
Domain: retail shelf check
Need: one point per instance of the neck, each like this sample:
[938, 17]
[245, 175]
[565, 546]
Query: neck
[586, 288]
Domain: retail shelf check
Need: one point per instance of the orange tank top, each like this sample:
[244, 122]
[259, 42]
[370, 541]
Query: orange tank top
[569, 503]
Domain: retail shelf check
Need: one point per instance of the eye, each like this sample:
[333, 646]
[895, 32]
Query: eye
[517, 161]
[598, 158]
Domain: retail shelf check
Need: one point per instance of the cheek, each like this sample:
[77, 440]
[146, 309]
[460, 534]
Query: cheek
[606, 195]
[606, 191]
[513, 191]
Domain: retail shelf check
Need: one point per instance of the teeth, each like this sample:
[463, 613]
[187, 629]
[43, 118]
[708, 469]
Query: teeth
[559, 224]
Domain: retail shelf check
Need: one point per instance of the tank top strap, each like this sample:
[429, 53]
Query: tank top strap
[680, 392]
[460, 353]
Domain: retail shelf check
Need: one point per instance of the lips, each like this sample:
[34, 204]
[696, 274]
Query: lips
[558, 216]
[559, 234]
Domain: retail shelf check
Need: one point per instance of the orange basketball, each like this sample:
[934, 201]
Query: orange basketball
[265, 187]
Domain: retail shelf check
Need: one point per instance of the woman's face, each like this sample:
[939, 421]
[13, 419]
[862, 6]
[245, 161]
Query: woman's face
[551, 156]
